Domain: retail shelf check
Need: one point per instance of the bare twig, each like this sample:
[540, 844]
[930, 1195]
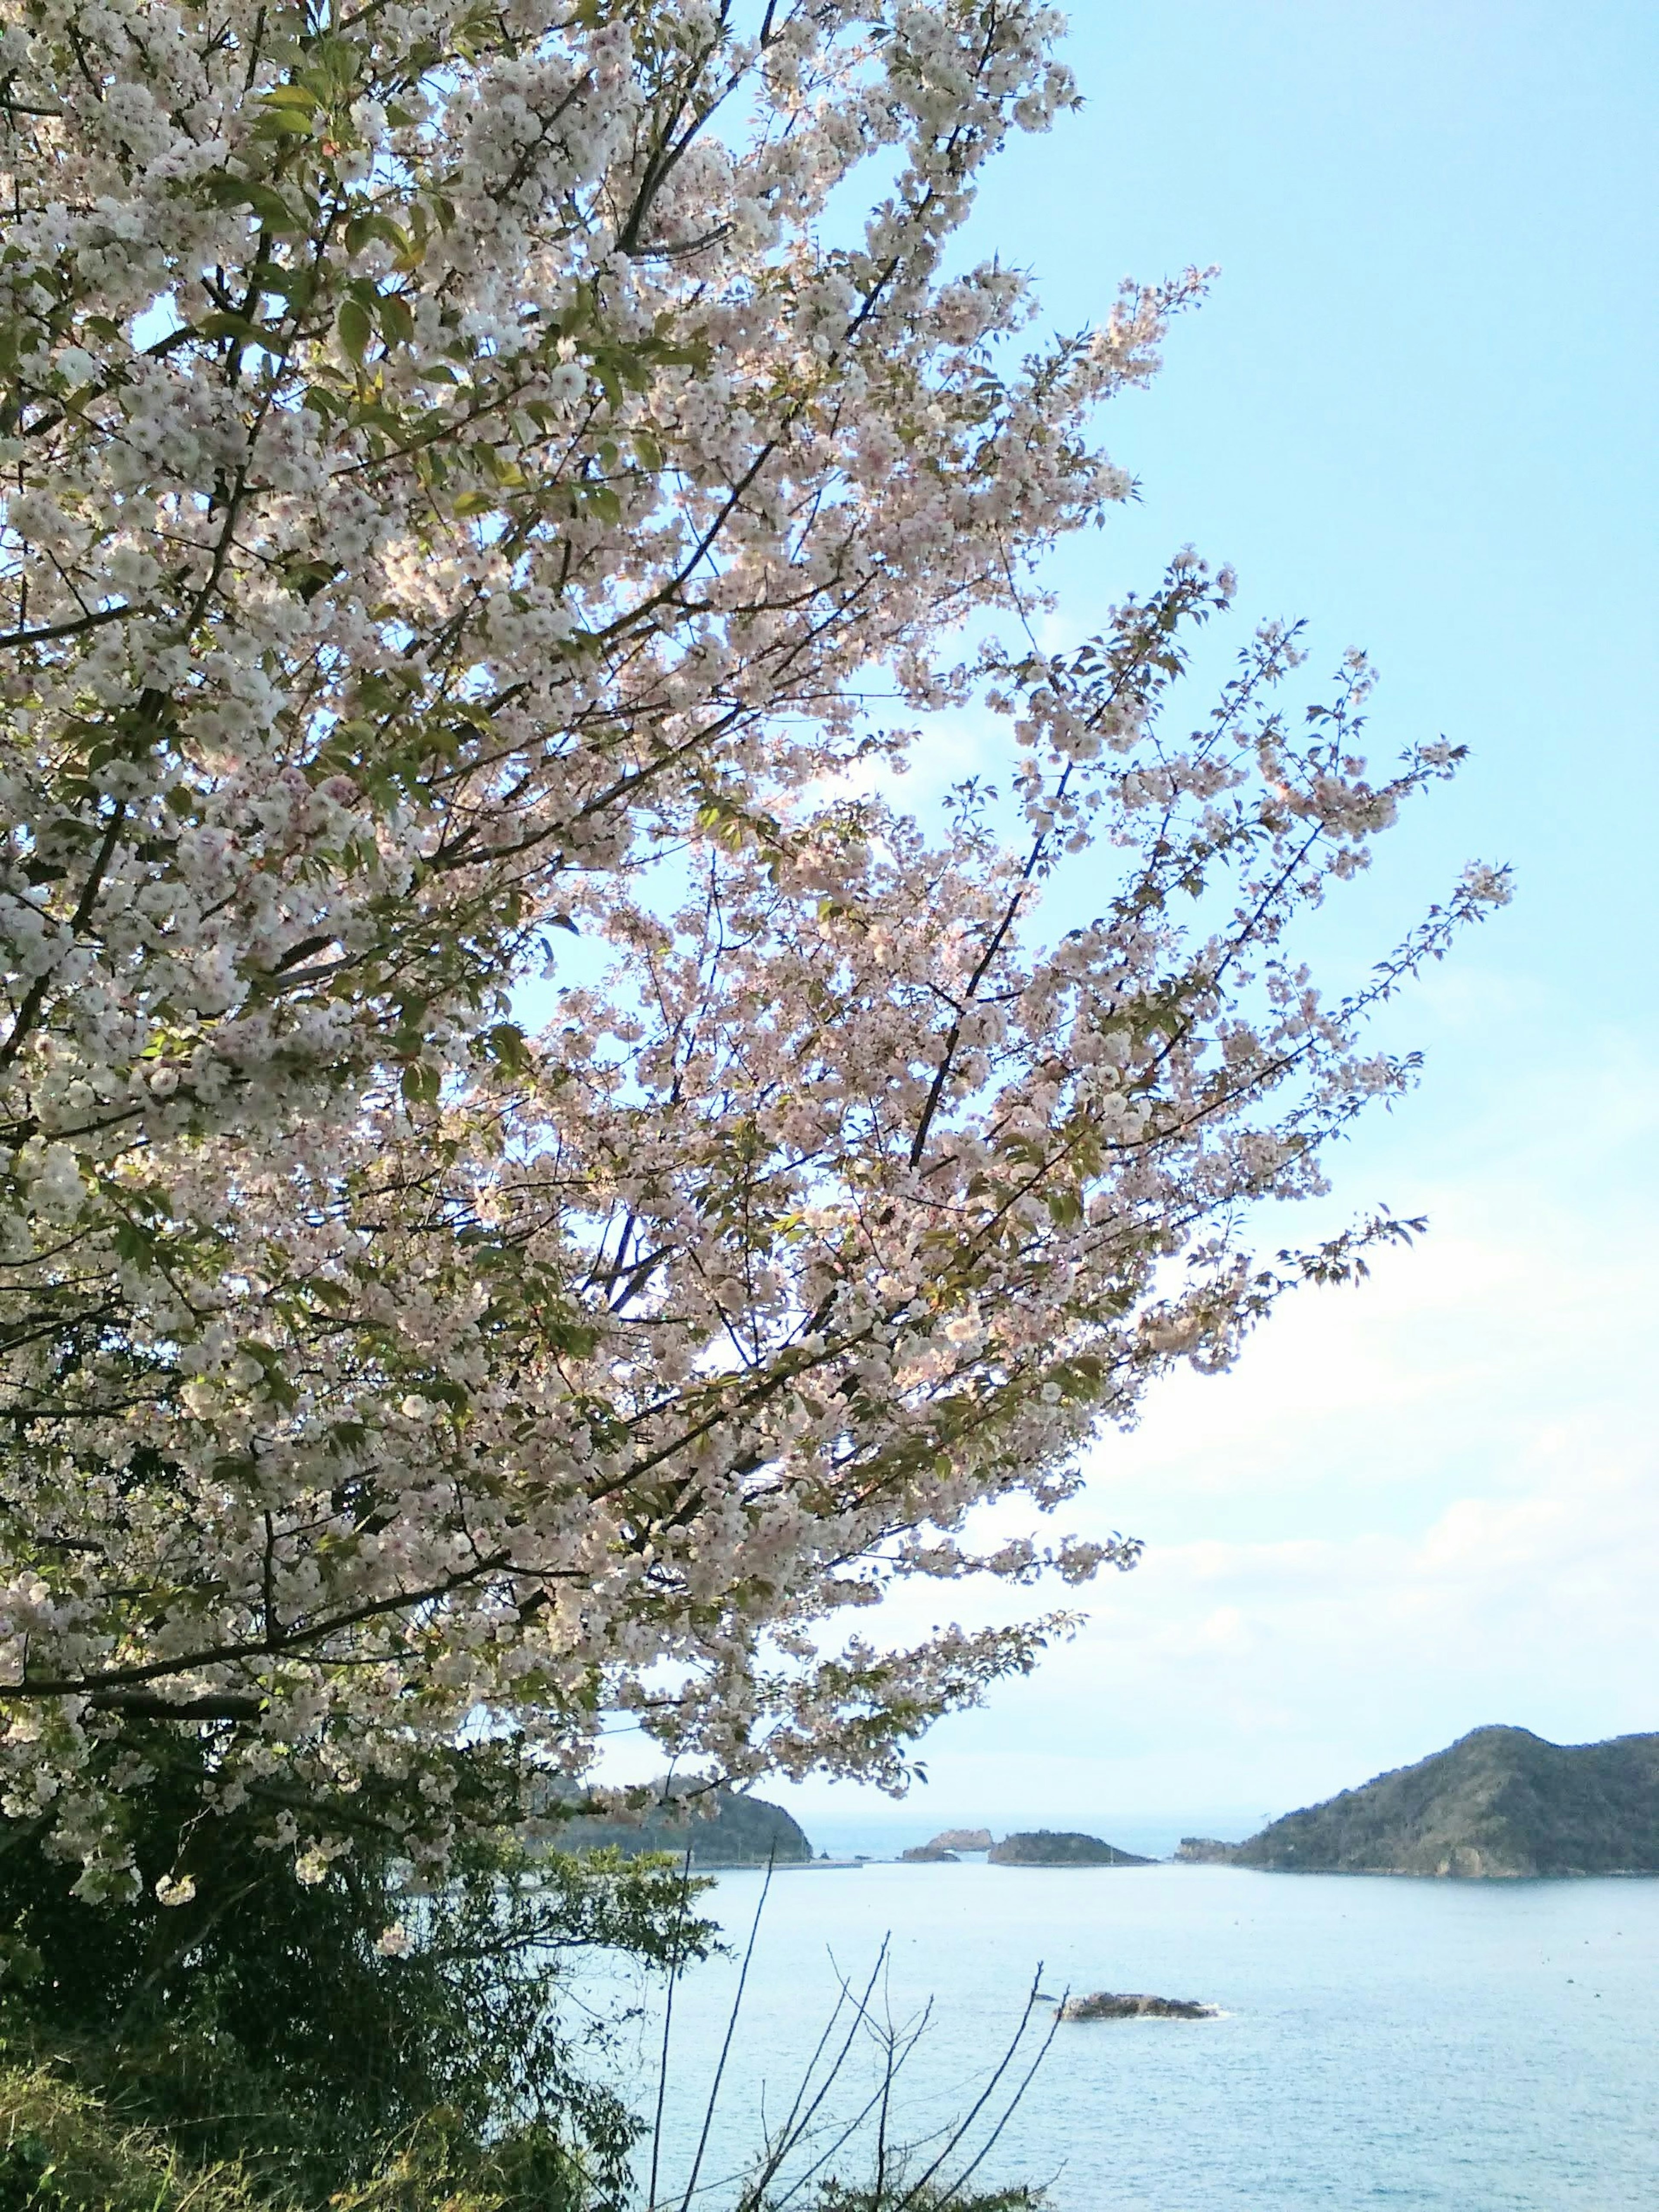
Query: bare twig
[798, 2125]
[731, 2030]
[667, 2024]
[1013, 2106]
[985, 2095]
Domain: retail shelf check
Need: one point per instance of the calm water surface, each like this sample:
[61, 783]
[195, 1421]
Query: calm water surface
[1487, 2047]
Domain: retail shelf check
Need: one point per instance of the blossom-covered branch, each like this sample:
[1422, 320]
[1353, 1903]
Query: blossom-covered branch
[468, 508]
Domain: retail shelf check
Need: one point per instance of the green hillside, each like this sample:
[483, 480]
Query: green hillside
[723, 1829]
[1499, 1801]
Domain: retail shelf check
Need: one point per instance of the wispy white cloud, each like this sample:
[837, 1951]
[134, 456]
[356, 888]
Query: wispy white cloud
[1411, 1508]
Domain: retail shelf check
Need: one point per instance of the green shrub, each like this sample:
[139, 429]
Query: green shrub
[265, 2022]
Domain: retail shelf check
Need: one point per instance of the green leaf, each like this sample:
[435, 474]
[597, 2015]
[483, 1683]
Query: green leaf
[355, 328]
[508, 1047]
[293, 95]
[295, 285]
[361, 228]
[274, 212]
[222, 189]
[476, 502]
[220, 325]
[281, 123]
[396, 321]
[132, 1244]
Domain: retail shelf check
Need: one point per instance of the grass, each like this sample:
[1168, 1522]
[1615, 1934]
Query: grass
[61, 2151]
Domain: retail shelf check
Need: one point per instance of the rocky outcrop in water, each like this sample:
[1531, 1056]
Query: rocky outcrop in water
[1108, 2004]
[1060, 1848]
[962, 1839]
[928, 1855]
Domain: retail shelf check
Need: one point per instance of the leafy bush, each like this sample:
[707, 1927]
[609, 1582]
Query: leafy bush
[341, 2035]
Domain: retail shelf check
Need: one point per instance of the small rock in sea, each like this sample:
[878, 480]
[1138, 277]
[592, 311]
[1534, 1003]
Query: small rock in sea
[1107, 2004]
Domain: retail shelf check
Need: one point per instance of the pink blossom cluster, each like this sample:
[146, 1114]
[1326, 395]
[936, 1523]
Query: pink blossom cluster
[467, 490]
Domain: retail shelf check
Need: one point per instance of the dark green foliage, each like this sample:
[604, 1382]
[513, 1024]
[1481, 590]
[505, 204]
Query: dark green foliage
[1499, 1801]
[267, 2045]
[1060, 1848]
[262, 2021]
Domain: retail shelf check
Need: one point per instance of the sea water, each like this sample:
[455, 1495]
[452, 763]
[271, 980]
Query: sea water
[1475, 2046]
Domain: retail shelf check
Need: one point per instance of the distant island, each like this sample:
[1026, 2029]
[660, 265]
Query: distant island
[1500, 1803]
[724, 1828]
[946, 1847]
[1050, 1848]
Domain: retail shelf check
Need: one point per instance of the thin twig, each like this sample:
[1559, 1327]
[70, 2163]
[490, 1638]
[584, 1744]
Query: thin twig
[798, 2123]
[890, 2068]
[667, 2023]
[985, 2095]
[731, 2030]
[974, 2165]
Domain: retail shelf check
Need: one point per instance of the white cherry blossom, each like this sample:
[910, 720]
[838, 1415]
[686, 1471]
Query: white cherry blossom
[469, 502]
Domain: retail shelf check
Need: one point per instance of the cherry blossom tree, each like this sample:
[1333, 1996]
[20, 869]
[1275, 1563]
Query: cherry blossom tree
[479, 509]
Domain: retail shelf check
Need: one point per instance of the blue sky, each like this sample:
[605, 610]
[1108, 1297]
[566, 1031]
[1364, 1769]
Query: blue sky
[1418, 410]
